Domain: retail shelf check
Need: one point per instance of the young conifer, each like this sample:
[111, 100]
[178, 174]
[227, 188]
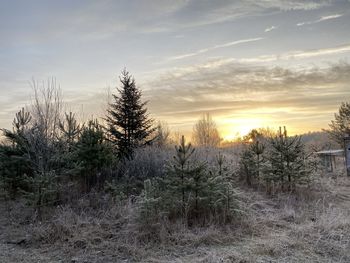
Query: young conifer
[340, 126]
[179, 172]
[93, 153]
[70, 130]
[287, 159]
[221, 195]
[14, 161]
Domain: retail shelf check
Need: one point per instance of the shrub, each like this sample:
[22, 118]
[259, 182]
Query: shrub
[147, 163]
[189, 191]
[287, 161]
[253, 158]
[93, 154]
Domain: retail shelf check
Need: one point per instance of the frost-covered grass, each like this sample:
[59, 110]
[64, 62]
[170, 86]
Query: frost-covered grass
[311, 225]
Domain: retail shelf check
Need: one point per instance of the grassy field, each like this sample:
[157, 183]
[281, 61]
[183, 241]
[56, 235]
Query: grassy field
[312, 226]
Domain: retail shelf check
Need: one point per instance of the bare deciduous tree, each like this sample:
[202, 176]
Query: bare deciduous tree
[46, 107]
[205, 132]
[46, 110]
[162, 134]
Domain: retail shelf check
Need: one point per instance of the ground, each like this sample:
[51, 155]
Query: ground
[310, 226]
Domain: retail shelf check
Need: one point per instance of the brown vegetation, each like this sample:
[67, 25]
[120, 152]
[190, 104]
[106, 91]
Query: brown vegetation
[75, 192]
[313, 226]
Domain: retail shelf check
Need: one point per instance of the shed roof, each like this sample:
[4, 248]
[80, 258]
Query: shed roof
[339, 152]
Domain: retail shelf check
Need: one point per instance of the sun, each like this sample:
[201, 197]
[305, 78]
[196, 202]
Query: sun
[234, 129]
[230, 137]
[244, 130]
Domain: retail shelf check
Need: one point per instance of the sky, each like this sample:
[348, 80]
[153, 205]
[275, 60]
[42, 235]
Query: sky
[261, 63]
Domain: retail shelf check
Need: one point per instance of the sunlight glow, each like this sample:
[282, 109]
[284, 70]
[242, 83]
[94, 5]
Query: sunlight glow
[233, 129]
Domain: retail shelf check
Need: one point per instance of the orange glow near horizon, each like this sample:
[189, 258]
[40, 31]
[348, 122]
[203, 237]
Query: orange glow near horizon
[232, 129]
[235, 127]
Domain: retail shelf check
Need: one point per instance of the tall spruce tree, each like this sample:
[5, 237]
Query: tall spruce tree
[128, 123]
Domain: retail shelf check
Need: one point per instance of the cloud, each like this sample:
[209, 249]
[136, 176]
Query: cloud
[99, 20]
[270, 29]
[300, 54]
[323, 18]
[205, 50]
[233, 90]
[206, 12]
[294, 4]
[123, 31]
[291, 55]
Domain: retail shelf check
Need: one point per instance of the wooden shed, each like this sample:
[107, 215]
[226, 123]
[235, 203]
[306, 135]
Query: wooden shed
[332, 158]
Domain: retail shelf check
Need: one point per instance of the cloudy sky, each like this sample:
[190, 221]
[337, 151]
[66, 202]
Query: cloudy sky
[248, 63]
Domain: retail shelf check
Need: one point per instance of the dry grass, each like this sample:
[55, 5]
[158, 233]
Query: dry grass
[312, 225]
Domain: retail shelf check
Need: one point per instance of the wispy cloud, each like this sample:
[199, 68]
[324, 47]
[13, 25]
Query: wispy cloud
[294, 4]
[295, 54]
[323, 18]
[98, 20]
[330, 17]
[137, 33]
[204, 50]
[299, 54]
[270, 28]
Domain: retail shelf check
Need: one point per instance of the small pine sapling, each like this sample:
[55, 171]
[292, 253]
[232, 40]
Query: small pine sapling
[150, 202]
[178, 172]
